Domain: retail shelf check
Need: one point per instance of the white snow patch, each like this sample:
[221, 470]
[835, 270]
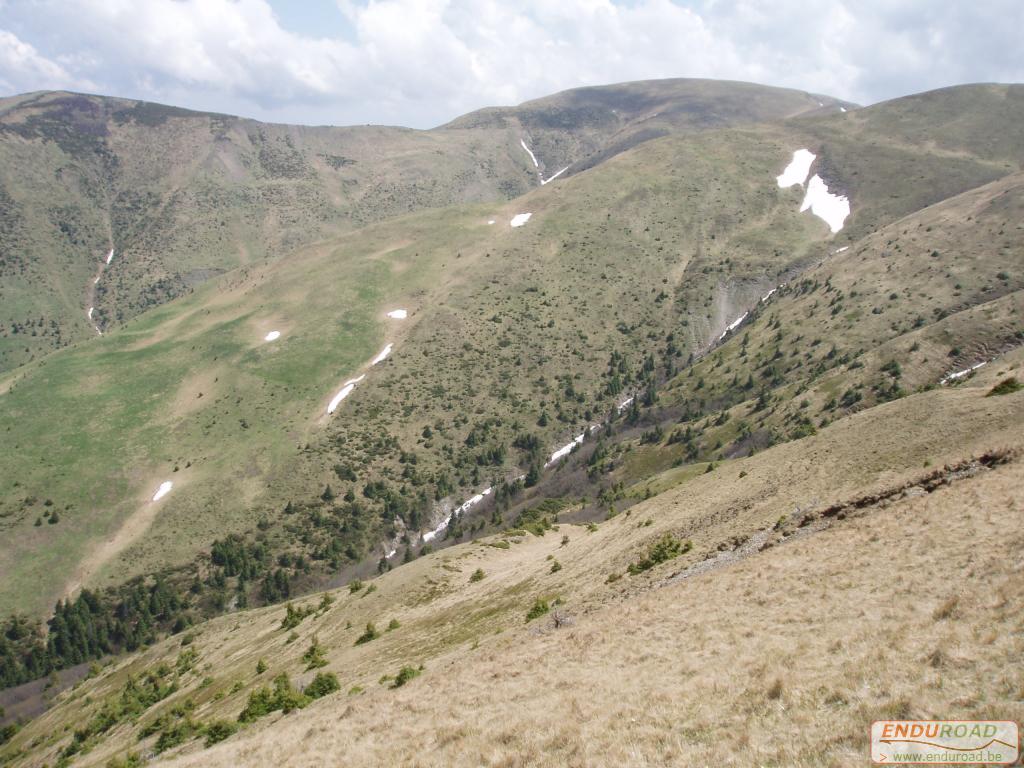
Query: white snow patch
[844, 248]
[464, 507]
[842, 109]
[733, 325]
[520, 218]
[797, 170]
[383, 355]
[391, 553]
[163, 490]
[398, 314]
[552, 178]
[768, 295]
[964, 372]
[832, 208]
[565, 450]
[490, 221]
[530, 153]
[346, 390]
[91, 310]
[96, 280]
[625, 404]
[110, 256]
[272, 336]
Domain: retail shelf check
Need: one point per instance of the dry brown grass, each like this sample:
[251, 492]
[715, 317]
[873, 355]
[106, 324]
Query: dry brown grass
[783, 659]
[777, 657]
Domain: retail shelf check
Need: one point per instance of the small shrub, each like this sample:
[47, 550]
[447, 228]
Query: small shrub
[314, 655]
[323, 684]
[556, 567]
[265, 700]
[405, 674]
[293, 617]
[371, 633]
[665, 548]
[354, 586]
[261, 667]
[1005, 387]
[218, 730]
[538, 609]
[478, 575]
[393, 624]
[176, 734]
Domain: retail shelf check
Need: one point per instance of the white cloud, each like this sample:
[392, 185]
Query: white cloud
[422, 62]
[21, 63]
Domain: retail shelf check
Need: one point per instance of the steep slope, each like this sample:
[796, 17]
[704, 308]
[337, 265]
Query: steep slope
[903, 512]
[115, 206]
[517, 339]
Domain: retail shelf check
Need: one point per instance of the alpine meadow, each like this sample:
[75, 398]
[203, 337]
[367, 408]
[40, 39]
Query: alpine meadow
[673, 422]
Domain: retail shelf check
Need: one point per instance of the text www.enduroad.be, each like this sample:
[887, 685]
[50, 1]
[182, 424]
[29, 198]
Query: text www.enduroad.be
[981, 756]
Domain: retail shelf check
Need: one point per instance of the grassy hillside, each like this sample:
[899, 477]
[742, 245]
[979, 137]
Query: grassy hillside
[184, 196]
[900, 512]
[517, 339]
[582, 127]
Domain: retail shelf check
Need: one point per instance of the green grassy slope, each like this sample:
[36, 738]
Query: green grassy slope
[183, 196]
[511, 331]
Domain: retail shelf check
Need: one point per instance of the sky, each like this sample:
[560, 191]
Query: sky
[420, 63]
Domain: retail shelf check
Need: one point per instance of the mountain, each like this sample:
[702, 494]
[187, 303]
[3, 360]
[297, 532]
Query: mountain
[648, 438]
[172, 197]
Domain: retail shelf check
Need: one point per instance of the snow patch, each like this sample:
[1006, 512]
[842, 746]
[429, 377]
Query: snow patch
[95, 279]
[552, 178]
[565, 450]
[797, 170]
[110, 257]
[165, 486]
[490, 221]
[536, 165]
[398, 314]
[346, 390]
[625, 404]
[530, 153]
[272, 336]
[842, 109]
[383, 355]
[833, 209]
[733, 325]
[464, 507]
[964, 372]
[844, 248]
[520, 218]
[768, 295]
[91, 310]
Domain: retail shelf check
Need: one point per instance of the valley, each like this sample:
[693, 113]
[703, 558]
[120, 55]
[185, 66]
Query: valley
[734, 373]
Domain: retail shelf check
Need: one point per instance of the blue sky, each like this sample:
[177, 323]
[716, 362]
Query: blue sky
[422, 62]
